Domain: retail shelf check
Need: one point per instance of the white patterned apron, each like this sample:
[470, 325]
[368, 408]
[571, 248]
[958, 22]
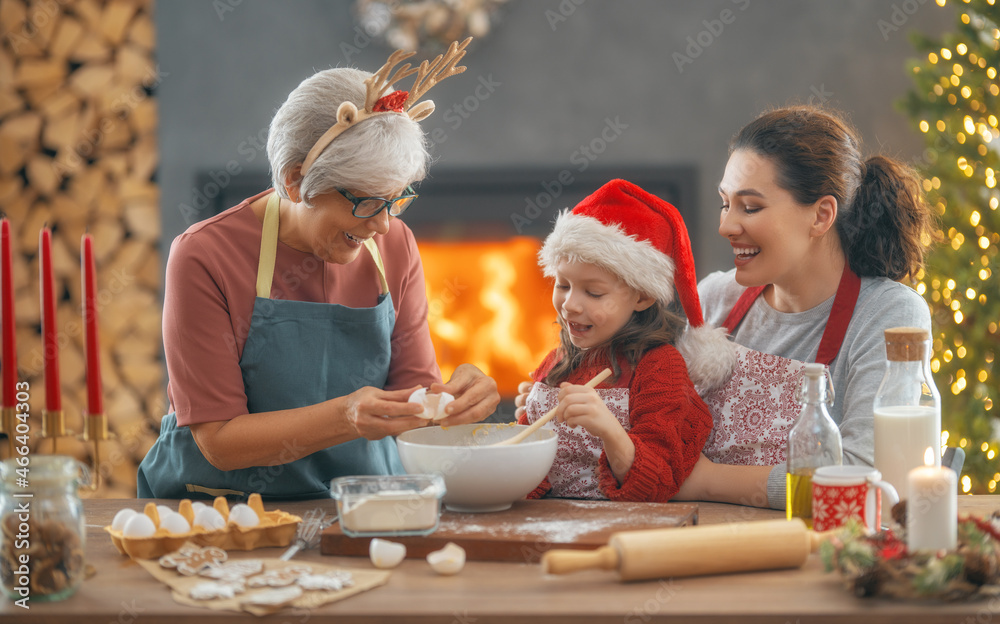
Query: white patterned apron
[574, 471]
[755, 408]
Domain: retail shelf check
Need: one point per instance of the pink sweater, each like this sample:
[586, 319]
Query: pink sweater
[209, 299]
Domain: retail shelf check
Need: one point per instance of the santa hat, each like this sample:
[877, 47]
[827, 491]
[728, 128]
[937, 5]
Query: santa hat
[643, 240]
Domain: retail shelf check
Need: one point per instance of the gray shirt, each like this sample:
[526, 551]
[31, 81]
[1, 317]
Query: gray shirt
[858, 368]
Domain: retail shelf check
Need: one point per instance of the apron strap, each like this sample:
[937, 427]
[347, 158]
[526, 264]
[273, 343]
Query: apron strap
[268, 247]
[742, 306]
[269, 251]
[191, 487]
[840, 316]
[836, 324]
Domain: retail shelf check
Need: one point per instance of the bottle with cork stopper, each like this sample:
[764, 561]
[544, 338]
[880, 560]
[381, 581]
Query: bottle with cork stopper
[907, 406]
[813, 442]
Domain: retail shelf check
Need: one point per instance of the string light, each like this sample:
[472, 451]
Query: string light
[955, 109]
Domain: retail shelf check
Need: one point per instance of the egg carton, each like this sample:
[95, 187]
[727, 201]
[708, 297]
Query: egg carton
[275, 529]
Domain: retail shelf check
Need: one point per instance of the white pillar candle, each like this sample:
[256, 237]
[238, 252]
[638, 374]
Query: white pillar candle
[931, 507]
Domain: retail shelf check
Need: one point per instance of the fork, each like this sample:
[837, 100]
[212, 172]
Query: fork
[307, 535]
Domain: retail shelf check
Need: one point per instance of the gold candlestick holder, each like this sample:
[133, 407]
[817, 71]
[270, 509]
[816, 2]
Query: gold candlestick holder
[54, 427]
[8, 423]
[95, 429]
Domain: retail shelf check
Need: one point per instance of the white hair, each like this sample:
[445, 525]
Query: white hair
[380, 155]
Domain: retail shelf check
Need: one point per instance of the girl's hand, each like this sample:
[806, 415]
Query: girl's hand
[580, 406]
[375, 414]
[523, 389]
[475, 393]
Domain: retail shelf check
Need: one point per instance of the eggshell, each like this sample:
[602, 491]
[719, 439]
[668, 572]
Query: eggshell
[447, 561]
[386, 554]
[163, 510]
[210, 519]
[197, 506]
[121, 518]
[174, 523]
[434, 404]
[242, 515]
[139, 525]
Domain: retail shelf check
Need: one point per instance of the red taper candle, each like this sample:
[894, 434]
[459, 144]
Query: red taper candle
[95, 403]
[7, 312]
[50, 342]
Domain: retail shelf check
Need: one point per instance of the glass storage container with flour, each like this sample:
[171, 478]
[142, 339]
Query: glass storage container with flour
[42, 550]
[907, 407]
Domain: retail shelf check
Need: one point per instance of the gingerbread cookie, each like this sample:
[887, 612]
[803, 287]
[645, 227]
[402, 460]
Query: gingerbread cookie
[191, 559]
[331, 581]
[233, 570]
[280, 577]
[210, 590]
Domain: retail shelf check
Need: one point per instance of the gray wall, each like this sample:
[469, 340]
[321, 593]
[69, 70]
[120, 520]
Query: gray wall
[559, 70]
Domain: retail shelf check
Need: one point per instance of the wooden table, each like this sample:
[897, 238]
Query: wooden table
[487, 592]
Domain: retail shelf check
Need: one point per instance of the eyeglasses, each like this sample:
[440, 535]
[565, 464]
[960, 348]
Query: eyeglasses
[367, 207]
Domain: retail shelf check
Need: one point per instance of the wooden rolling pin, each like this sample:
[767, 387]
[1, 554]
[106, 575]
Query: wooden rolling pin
[693, 551]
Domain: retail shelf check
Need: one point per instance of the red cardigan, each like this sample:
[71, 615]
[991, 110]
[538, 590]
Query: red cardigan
[669, 425]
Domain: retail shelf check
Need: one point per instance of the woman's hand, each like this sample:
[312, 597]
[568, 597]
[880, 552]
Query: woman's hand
[375, 414]
[475, 393]
[523, 389]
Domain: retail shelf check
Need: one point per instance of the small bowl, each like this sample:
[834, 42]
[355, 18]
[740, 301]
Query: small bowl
[479, 477]
[387, 506]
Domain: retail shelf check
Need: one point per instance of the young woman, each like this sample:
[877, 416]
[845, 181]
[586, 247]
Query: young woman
[821, 239]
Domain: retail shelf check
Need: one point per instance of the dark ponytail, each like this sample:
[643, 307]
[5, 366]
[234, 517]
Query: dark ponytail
[882, 215]
[883, 231]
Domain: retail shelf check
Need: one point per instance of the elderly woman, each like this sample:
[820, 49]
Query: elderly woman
[821, 239]
[295, 323]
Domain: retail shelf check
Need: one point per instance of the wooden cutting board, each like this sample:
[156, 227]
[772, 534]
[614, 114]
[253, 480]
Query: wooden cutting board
[526, 530]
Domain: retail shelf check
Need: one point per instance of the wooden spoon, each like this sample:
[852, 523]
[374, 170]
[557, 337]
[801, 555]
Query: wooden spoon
[535, 426]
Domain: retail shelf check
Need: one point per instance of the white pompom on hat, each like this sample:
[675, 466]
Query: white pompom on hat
[643, 240]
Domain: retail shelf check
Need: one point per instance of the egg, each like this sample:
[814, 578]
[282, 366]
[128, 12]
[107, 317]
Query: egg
[447, 561]
[434, 404]
[242, 515]
[163, 510]
[139, 525]
[197, 506]
[209, 518]
[386, 554]
[174, 523]
[121, 518]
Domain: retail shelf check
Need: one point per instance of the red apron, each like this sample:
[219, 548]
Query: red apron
[756, 407]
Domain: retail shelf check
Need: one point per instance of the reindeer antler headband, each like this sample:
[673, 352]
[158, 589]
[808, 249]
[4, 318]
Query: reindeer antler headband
[397, 102]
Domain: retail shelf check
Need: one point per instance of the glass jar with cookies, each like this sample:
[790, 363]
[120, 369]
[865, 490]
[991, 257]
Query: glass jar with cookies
[41, 516]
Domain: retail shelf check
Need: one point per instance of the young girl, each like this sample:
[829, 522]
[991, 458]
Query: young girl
[637, 436]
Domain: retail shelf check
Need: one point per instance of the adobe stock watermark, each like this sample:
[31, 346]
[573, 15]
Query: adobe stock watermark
[714, 28]
[371, 24]
[898, 17]
[664, 594]
[456, 115]
[582, 158]
[39, 16]
[566, 8]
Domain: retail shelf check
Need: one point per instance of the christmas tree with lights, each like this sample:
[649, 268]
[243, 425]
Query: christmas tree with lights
[955, 105]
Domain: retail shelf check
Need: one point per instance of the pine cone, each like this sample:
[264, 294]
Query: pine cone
[899, 513]
[979, 569]
[868, 583]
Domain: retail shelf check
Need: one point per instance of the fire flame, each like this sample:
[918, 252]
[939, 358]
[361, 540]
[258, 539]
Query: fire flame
[489, 305]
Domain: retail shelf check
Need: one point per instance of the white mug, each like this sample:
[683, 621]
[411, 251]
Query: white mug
[843, 492]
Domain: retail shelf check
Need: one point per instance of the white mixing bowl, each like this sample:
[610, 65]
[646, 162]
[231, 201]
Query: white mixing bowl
[479, 477]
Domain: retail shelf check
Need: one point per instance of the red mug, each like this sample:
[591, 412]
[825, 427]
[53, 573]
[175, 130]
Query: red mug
[843, 492]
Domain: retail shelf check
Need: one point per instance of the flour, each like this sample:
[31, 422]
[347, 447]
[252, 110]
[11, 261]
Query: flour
[391, 511]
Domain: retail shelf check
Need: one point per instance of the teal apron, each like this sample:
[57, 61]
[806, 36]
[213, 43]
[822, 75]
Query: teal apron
[297, 353]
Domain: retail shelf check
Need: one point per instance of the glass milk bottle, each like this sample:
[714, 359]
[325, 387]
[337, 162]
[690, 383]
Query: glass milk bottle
[813, 442]
[907, 407]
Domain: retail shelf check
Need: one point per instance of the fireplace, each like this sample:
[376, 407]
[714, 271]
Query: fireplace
[479, 233]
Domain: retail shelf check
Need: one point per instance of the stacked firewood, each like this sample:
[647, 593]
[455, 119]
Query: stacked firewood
[78, 152]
